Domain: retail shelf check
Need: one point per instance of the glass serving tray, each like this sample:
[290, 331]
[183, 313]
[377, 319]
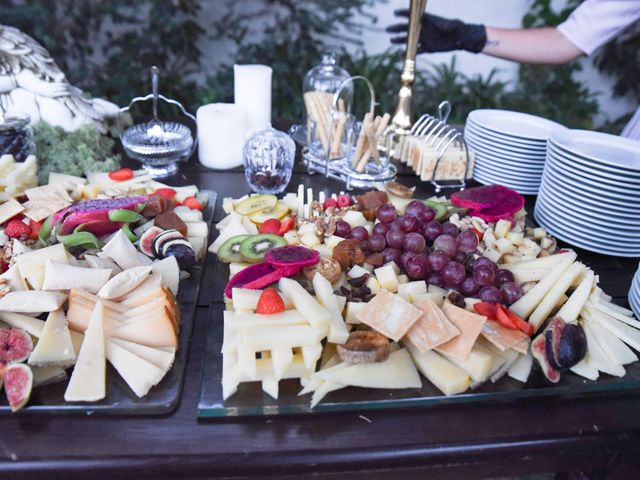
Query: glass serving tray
[120, 399]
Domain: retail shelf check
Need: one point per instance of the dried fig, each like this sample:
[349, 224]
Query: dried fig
[364, 347]
[327, 267]
[348, 253]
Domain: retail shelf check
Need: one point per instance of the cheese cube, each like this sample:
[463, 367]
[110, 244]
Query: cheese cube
[355, 219]
[515, 237]
[387, 276]
[332, 241]
[502, 228]
[504, 245]
[356, 271]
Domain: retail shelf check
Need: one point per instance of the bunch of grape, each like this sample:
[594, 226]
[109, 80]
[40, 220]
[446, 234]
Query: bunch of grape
[436, 252]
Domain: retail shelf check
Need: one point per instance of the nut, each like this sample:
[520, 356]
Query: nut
[398, 190]
[327, 267]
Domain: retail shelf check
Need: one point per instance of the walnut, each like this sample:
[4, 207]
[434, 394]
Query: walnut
[327, 267]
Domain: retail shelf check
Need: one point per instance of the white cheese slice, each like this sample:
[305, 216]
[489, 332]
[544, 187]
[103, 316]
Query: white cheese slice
[54, 347]
[338, 332]
[626, 333]
[62, 276]
[260, 339]
[102, 262]
[10, 209]
[124, 282]
[139, 374]
[13, 278]
[65, 179]
[187, 214]
[308, 307]
[122, 252]
[32, 326]
[446, 376]
[31, 265]
[154, 331]
[169, 270]
[161, 357]
[197, 229]
[612, 345]
[477, 364]
[398, 371]
[32, 301]
[48, 375]
[87, 383]
[521, 368]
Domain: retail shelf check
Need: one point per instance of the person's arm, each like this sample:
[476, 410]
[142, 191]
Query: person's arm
[535, 45]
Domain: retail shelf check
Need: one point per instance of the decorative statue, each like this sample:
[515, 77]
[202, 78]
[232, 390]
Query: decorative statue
[32, 83]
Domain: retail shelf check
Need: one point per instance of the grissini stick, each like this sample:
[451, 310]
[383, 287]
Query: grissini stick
[360, 144]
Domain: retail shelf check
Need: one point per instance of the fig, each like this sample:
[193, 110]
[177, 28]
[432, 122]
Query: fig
[164, 248]
[291, 256]
[161, 238]
[15, 345]
[146, 240]
[539, 352]
[18, 381]
[364, 347]
[565, 344]
[185, 254]
[258, 276]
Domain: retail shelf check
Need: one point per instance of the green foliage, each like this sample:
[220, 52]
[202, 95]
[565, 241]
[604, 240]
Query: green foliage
[76, 153]
[621, 59]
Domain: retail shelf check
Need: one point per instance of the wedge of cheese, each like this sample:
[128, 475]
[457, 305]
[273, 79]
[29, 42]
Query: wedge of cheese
[54, 347]
[32, 326]
[389, 314]
[161, 357]
[122, 252]
[62, 276]
[13, 278]
[470, 326]
[32, 301]
[446, 376]
[139, 374]
[87, 383]
[152, 331]
[10, 209]
[478, 363]
[431, 329]
[98, 262]
[124, 282]
[169, 271]
[31, 265]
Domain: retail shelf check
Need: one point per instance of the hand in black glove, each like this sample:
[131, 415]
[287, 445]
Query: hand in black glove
[439, 34]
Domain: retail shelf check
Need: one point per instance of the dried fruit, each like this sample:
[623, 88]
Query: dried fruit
[17, 229]
[271, 225]
[15, 345]
[291, 256]
[364, 347]
[170, 221]
[146, 240]
[18, 382]
[348, 253]
[270, 302]
[327, 267]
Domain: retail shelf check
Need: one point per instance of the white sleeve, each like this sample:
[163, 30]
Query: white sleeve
[595, 22]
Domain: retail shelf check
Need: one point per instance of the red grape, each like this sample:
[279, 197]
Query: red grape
[417, 267]
[490, 294]
[364, 245]
[409, 223]
[504, 276]
[387, 213]
[428, 214]
[453, 273]
[449, 228]
[404, 258]
[435, 279]
[360, 233]
[414, 242]
[460, 257]
[415, 208]
[438, 259]
[469, 287]
[432, 230]
[381, 228]
[395, 238]
[446, 243]
[467, 241]
[485, 261]
[377, 243]
[511, 292]
[395, 225]
[343, 229]
[392, 255]
[484, 275]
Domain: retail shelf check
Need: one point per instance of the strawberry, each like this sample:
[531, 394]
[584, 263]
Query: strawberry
[330, 203]
[286, 225]
[271, 225]
[35, 229]
[343, 200]
[167, 193]
[17, 229]
[121, 175]
[193, 203]
[270, 302]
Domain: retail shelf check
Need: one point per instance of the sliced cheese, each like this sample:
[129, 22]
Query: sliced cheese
[62, 276]
[13, 278]
[431, 329]
[154, 331]
[122, 252]
[612, 345]
[124, 282]
[87, 383]
[470, 325]
[10, 209]
[54, 347]
[521, 368]
[398, 371]
[338, 332]
[32, 326]
[32, 301]
[624, 332]
[477, 364]
[139, 374]
[98, 262]
[389, 314]
[169, 270]
[446, 376]
[302, 300]
[31, 265]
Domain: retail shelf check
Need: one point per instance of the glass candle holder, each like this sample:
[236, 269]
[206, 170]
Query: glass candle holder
[268, 161]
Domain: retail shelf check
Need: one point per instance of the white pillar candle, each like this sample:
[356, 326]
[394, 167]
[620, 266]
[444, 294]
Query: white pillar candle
[252, 91]
[221, 135]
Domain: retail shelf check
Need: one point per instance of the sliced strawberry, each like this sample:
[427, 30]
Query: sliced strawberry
[271, 225]
[193, 203]
[487, 309]
[167, 193]
[503, 318]
[270, 302]
[35, 229]
[121, 175]
[286, 225]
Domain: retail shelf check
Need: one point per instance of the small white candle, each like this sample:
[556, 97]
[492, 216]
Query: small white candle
[221, 135]
[252, 92]
[300, 201]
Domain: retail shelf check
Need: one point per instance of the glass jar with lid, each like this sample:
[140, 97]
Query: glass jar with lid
[16, 136]
[320, 83]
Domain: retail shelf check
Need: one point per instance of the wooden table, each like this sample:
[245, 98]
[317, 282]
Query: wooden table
[455, 441]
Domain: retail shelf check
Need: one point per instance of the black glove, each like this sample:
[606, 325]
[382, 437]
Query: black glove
[439, 34]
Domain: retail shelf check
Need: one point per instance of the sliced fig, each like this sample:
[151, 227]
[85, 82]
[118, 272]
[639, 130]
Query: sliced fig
[364, 346]
[146, 240]
[170, 243]
[258, 276]
[161, 238]
[185, 255]
[15, 345]
[552, 336]
[18, 382]
[291, 256]
[566, 344]
[539, 352]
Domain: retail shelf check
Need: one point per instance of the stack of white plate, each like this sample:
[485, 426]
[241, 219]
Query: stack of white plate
[590, 192]
[634, 294]
[510, 148]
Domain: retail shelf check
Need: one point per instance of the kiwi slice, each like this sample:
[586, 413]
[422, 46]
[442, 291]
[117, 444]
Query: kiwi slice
[229, 251]
[256, 203]
[252, 249]
[439, 208]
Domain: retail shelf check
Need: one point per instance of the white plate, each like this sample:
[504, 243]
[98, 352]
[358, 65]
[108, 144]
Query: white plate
[513, 164]
[521, 125]
[590, 167]
[493, 149]
[600, 147]
[559, 232]
[510, 171]
[476, 131]
[492, 181]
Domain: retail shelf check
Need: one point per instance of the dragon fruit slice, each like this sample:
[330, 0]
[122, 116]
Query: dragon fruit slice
[489, 202]
[95, 214]
[258, 276]
[291, 256]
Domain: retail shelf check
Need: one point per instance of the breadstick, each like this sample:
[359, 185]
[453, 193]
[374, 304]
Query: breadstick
[373, 142]
[313, 106]
[361, 140]
[336, 140]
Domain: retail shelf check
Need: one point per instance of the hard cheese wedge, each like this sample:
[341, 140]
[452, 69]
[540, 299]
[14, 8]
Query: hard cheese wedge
[33, 301]
[32, 264]
[470, 326]
[87, 383]
[431, 329]
[54, 347]
[447, 377]
[62, 276]
[398, 371]
[161, 357]
[9, 209]
[139, 374]
[389, 314]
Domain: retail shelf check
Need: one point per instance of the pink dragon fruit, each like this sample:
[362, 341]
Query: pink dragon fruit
[94, 215]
